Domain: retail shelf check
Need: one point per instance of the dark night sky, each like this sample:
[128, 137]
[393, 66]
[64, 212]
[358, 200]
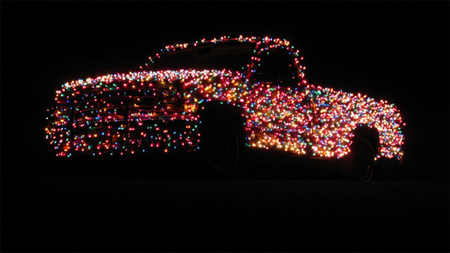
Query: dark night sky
[393, 50]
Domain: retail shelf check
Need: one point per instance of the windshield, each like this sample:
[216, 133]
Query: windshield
[231, 55]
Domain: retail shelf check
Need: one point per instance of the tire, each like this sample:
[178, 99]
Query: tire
[362, 161]
[220, 149]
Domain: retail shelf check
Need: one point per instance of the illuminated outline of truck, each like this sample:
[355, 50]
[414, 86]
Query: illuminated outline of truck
[221, 96]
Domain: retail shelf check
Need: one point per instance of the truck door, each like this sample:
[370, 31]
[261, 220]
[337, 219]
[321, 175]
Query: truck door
[279, 107]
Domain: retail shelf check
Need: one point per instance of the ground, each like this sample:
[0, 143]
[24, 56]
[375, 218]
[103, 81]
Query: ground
[176, 210]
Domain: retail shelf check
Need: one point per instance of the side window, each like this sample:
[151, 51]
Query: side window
[277, 67]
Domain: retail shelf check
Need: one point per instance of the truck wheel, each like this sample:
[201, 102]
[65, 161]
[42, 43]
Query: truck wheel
[362, 161]
[220, 148]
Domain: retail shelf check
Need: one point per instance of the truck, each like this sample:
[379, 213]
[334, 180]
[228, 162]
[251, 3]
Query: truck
[220, 97]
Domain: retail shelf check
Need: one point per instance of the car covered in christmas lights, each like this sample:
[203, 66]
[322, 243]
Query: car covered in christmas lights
[219, 97]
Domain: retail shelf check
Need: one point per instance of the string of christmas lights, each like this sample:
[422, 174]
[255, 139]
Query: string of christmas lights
[157, 110]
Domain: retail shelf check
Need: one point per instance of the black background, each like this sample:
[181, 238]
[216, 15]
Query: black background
[392, 50]
[397, 51]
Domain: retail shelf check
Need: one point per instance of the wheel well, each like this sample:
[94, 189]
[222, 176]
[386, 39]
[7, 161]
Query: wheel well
[368, 133]
[224, 113]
